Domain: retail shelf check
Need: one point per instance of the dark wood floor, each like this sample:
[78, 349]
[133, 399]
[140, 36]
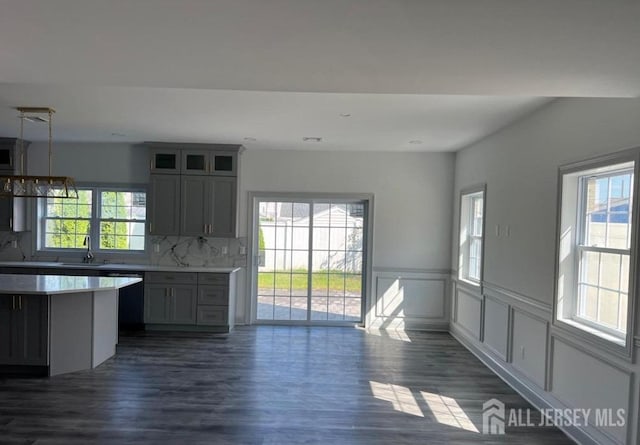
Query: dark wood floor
[267, 385]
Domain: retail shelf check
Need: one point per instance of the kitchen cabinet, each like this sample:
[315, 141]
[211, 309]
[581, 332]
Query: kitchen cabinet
[13, 211]
[165, 161]
[170, 298]
[164, 202]
[23, 330]
[208, 206]
[196, 194]
[190, 301]
[216, 161]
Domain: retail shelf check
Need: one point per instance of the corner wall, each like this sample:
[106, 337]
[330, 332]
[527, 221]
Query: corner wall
[508, 323]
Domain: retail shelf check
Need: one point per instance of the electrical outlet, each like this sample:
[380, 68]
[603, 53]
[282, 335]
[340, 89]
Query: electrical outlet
[497, 230]
[224, 250]
[507, 231]
[243, 250]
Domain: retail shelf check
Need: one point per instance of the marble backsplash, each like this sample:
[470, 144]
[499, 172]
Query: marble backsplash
[163, 251]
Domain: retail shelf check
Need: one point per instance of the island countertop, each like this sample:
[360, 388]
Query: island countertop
[60, 284]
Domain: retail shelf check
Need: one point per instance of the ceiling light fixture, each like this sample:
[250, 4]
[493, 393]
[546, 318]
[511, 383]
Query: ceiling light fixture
[250, 139]
[345, 114]
[415, 142]
[312, 139]
[25, 186]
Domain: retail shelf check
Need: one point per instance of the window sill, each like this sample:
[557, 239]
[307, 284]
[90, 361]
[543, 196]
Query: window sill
[469, 282]
[593, 331]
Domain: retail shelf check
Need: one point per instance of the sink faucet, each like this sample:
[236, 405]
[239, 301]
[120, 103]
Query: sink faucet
[88, 257]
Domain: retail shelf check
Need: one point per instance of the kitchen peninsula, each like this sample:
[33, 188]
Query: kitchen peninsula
[54, 324]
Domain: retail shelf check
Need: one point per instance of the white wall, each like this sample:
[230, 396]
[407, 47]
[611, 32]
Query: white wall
[510, 327]
[412, 215]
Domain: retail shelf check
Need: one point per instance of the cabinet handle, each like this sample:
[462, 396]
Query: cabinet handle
[210, 170]
[151, 164]
[19, 302]
[150, 227]
[13, 302]
[11, 223]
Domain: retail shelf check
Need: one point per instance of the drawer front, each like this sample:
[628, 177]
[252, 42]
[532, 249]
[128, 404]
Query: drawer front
[171, 277]
[220, 279]
[217, 295]
[213, 315]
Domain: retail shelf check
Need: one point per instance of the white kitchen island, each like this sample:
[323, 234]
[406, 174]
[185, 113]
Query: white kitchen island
[56, 324]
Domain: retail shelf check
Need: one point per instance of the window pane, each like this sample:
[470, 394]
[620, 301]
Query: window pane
[589, 302]
[610, 271]
[590, 265]
[608, 210]
[608, 308]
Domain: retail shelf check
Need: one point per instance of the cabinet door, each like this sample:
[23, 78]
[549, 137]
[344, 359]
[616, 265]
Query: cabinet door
[6, 214]
[195, 205]
[224, 163]
[7, 340]
[32, 327]
[165, 161]
[156, 304]
[195, 162]
[223, 204]
[164, 208]
[183, 304]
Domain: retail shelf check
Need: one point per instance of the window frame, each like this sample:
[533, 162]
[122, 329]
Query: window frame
[471, 195]
[94, 221]
[566, 303]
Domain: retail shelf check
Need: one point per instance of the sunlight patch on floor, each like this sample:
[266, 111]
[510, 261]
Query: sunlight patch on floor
[447, 411]
[400, 397]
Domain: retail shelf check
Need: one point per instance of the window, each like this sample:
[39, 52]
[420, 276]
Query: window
[596, 232]
[471, 235]
[114, 217]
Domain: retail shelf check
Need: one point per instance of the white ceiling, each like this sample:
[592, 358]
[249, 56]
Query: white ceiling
[201, 70]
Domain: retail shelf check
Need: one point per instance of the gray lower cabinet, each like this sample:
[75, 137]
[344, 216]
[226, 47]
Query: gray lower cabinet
[170, 304]
[185, 300]
[23, 330]
[164, 200]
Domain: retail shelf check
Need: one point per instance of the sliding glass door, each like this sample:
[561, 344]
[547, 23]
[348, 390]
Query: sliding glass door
[309, 267]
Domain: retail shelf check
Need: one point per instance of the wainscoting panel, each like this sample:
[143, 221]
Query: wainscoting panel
[468, 308]
[496, 326]
[582, 380]
[529, 346]
[410, 299]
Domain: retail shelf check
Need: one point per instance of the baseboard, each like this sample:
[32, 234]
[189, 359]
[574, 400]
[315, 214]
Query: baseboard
[528, 390]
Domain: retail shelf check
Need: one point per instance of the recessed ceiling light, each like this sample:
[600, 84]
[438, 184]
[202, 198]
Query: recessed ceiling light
[250, 139]
[118, 135]
[345, 114]
[415, 142]
[311, 139]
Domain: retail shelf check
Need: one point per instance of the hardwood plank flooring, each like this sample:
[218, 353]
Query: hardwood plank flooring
[267, 385]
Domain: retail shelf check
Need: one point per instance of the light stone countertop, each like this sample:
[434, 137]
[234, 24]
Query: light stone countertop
[60, 284]
[117, 267]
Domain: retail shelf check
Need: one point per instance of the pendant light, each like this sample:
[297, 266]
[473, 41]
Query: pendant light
[26, 186]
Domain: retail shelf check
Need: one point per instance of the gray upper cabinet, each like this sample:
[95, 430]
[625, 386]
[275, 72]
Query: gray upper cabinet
[208, 206]
[165, 161]
[223, 203]
[196, 205]
[193, 189]
[195, 162]
[164, 202]
[13, 211]
[209, 162]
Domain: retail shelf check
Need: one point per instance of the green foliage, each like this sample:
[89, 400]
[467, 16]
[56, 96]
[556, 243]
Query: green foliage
[261, 243]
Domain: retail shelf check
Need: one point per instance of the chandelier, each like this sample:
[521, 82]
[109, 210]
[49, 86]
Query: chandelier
[26, 186]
